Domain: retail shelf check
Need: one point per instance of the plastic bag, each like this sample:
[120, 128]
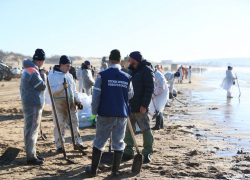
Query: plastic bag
[85, 113]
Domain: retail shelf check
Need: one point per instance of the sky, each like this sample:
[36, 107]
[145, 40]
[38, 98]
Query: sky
[178, 30]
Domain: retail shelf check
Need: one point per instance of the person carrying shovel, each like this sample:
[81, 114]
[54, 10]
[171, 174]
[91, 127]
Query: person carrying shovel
[143, 85]
[33, 85]
[110, 100]
[56, 79]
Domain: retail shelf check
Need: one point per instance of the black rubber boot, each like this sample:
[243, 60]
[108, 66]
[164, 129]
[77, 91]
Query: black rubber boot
[157, 124]
[161, 120]
[96, 156]
[147, 158]
[116, 163]
[35, 162]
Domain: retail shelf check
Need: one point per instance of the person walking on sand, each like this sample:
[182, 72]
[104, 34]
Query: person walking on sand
[57, 85]
[110, 100]
[228, 82]
[171, 80]
[33, 85]
[88, 80]
[189, 73]
[143, 85]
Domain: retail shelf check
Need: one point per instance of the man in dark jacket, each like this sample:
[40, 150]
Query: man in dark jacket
[143, 85]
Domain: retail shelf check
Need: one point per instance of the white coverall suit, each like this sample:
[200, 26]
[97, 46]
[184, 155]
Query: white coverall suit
[56, 80]
[170, 80]
[79, 77]
[181, 74]
[227, 83]
[88, 81]
[161, 93]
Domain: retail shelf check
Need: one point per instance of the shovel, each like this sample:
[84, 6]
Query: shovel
[238, 85]
[156, 111]
[44, 137]
[76, 147]
[180, 101]
[57, 125]
[138, 157]
[9, 155]
[107, 157]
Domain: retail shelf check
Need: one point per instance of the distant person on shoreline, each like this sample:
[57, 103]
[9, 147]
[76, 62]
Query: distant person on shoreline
[228, 82]
[189, 73]
[181, 74]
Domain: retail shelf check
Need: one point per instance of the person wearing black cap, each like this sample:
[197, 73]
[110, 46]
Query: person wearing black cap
[88, 80]
[110, 100]
[33, 85]
[143, 85]
[57, 85]
[228, 82]
[171, 80]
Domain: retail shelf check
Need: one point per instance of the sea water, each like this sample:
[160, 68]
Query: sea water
[234, 112]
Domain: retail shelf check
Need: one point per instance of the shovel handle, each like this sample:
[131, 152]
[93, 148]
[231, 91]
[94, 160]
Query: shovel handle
[133, 135]
[57, 122]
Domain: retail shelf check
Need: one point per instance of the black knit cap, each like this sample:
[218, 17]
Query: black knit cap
[39, 55]
[115, 55]
[65, 60]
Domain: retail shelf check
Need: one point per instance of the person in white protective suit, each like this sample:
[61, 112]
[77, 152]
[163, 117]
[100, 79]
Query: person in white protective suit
[181, 74]
[159, 98]
[79, 77]
[171, 80]
[57, 85]
[228, 82]
[104, 67]
[189, 73]
[88, 80]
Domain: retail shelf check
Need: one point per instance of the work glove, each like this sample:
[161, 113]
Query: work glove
[79, 105]
[65, 85]
[171, 95]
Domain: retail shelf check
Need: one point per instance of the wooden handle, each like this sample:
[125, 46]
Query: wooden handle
[55, 114]
[132, 134]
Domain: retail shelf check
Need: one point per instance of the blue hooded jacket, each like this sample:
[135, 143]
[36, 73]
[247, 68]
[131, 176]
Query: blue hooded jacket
[32, 85]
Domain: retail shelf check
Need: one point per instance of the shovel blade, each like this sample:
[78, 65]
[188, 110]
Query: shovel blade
[9, 155]
[137, 164]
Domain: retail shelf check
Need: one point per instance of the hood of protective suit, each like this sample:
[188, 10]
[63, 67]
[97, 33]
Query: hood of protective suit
[57, 68]
[28, 63]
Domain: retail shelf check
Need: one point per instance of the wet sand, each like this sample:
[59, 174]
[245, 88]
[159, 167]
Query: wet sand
[190, 146]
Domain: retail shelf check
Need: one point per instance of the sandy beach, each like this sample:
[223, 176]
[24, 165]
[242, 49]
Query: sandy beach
[190, 146]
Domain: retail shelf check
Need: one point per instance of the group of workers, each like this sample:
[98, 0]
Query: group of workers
[116, 98]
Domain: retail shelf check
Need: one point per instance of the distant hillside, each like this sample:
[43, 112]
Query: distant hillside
[11, 57]
[225, 61]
